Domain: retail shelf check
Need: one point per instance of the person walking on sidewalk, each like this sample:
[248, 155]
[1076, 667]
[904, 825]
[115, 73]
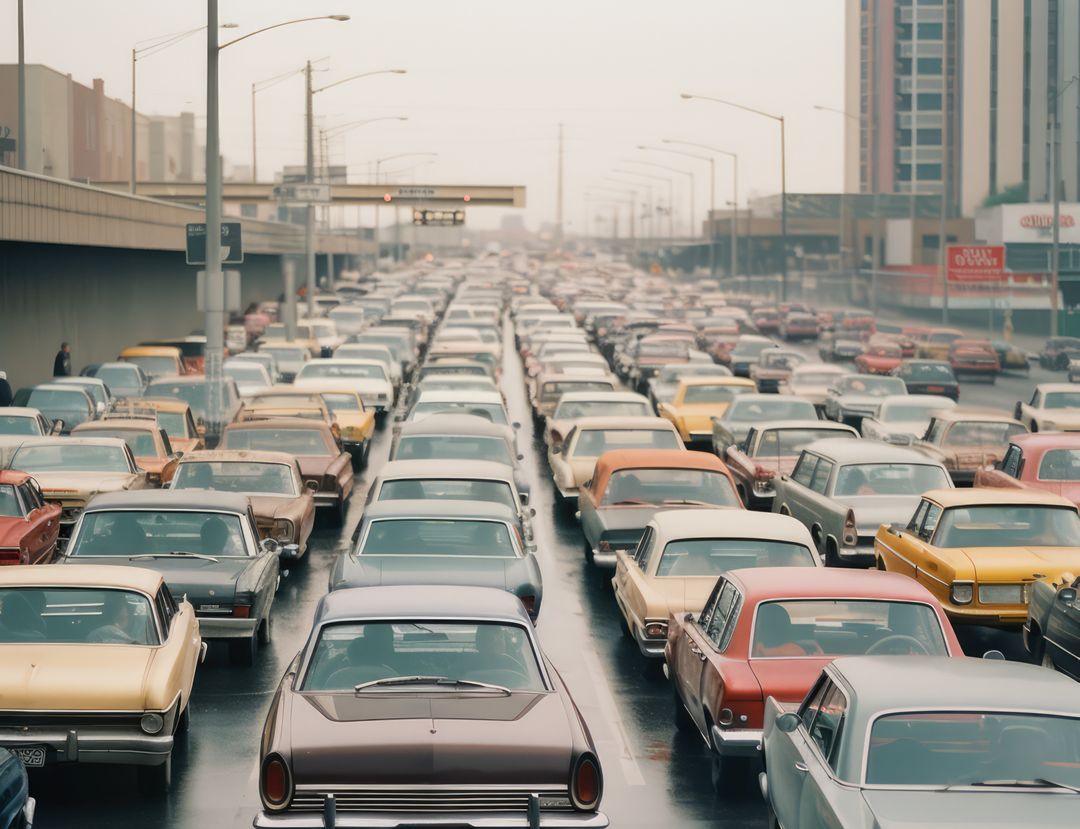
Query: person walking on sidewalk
[62, 363]
[5, 390]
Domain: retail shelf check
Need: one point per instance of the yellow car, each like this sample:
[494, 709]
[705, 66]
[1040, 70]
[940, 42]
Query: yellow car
[698, 400]
[98, 667]
[155, 360]
[979, 550]
[934, 344]
[343, 410]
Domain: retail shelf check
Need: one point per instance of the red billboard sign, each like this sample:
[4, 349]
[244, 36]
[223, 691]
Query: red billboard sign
[976, 263]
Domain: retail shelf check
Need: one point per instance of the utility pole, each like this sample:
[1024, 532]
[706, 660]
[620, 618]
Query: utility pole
[309, 177]
[943, 263]
[134, 117]
[254, 158]
[1055, 255]
[559, 196]
[215, 280]
[21, 149]
[783, 211]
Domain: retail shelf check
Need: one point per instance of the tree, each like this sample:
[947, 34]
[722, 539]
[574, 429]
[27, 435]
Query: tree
[1013, 194]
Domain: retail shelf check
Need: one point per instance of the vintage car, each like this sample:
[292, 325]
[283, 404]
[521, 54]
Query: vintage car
[935, 343]
[767, 320]
[372, 351]
[206, 546]
[448, 382]
[698, 401]
[23, 420]
[929, 377]
[289, 355]
[1052, 629]
[301, 404]
[192, 390]
[879, 358]
[548, 389]
[283, 505]
[436, 697]
[799, 325]
[967, 439]
[400, 342]
[147, 440]
[812, 381]
[29, 525]
[368, 378]
[665, 383]
[748, 410]
[487, 404]
[574, 405]
[66, 405]
[771, 448]
[980, 550]
[681, 554]
[843, 490]
[462, 541]
[71, 471]
[774, 367]
[94, 387]
[903, 418]
[895, 335]
[629, 486]
[855, 396]
[17, 807]
[99, 667]
[1058, 351]
[344, 407]
[764, 636]
[455, 436]
[192, 350]
[974, 358]
[155, 360]
[1010, 356]
[1054, 407]
[123, 379]
[839, 347]
[747, 352]
[322, 459]
[924, 741]
[174, 416]
[1049, 462]
[248, 375]
[572, 466]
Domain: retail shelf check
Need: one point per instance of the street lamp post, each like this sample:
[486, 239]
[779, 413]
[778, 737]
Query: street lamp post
[783, 177]
[20, 149]
[671, 193]
[688, 173]
[259, 86]
[647, 205]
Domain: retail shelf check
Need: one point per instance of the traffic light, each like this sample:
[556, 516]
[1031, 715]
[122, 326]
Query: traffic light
[438, 218]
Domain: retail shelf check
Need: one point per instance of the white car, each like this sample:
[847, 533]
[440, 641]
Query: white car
[323, 331]
[1054, 407]
[371, 351]
[25, 421]
[368, 378]
[812, 381]
[902, 419]
[250, 376]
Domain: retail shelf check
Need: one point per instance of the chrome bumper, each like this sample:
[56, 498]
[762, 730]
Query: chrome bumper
[606, 560]
[651, 648]
[567, 494]
[326, 499]
[861, 555]
[454, 820]
[89, 745]
[226, 627]
[737, 742]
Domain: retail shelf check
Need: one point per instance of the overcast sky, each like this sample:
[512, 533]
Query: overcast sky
[488, 82]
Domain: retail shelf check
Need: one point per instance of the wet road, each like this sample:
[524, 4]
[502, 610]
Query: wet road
[653, 776]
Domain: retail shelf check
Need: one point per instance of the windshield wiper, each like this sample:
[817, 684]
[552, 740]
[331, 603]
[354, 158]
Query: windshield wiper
[634, 501]
[428, 680]
[684, 501]
[171, 554]
[1034, 782]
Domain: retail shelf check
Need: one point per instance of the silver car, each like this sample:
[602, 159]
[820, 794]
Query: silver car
[843, 490]
[855, 396]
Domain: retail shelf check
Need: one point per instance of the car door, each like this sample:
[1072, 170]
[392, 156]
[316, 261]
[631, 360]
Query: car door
[817, 804]
[1063, 632]
[43, 524]
[628, 582]
[182, 644]
[683, 660]
[702, 639]
[789, 495]
[923, 555]
[895, 548]
[785, 756]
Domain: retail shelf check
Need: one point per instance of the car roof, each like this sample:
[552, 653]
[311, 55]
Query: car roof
[845, 450]
[1052, 387]
[59, 387]
[991, 495]
[462, 425]
[613, 396]
[1043, 441]
[938, 400]
[13, 477]
[178, 380]
[671, 524]
[152, 351]
[420, 601]
[624, 422]
[247, 455]
[165, 499]
[72, 440]
[829, 425]
[280, 423]
[456, 468]
[459, 396]
[765, 583]
[131, 424]
[442, 508]
[618, 459]
[19, 411]
[715, 380]
[80, 575]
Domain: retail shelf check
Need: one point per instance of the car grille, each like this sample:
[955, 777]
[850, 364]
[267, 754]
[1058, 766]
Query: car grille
[67, 719]
[390, 799]
[1002, 594]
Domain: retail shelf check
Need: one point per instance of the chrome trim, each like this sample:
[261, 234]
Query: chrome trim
[737, 742]
[508, 820]
[892, 550]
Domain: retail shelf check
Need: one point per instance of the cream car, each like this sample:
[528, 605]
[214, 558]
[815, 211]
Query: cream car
[1054, 407]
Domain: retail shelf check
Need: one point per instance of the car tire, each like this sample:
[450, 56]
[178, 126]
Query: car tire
[588, 553]
[832, 558]
[728, 775]
[242, 651]
[155, 780]
[1061, 363]
[266, 633]
[339, 513]
[684, 723]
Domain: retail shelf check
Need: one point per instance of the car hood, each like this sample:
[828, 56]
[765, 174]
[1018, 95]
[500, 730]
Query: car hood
[59, 484]
[83, 677]
[903, 809]
[1061, 418]
[203, 582]
[275, 506]
[370, 571]
[440, 738]
[873, 510]
[788, 680]
[1012, 564]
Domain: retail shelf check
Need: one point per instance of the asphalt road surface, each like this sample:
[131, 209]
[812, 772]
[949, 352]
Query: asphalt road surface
[653, 776]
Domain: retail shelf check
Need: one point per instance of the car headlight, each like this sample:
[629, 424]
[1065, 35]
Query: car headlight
[282, 529]
[962, 592]
[151, 722]
[763, 487]
[656, 630]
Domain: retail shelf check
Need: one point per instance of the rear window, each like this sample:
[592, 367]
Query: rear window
[713, 556]
[76, 615]
[293, 441]
[457, 489]
[452, 447]
[438, 537]
[595, 442]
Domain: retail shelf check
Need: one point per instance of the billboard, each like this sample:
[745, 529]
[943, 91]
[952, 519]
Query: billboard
[975, 263]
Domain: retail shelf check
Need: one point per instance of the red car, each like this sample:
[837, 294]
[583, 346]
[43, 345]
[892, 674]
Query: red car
[879, 358]
[1049, 461]
[767, 320]
[768, 632]
[974, 357]
[29, 525]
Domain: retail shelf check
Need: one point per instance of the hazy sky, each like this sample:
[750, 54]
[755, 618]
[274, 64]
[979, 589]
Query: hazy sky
[488, 82]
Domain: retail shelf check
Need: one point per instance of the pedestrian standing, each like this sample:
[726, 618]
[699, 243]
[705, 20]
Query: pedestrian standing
[62, 363]
[5, 390]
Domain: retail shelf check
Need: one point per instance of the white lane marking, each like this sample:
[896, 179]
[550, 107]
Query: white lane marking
[606, 701]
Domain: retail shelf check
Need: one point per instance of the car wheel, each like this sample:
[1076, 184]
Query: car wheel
[728, 774]
[339, 513]
[1061, 363]
[832, 558]
[684, 724]
[265, 632]
[242, 651]
[155, 780]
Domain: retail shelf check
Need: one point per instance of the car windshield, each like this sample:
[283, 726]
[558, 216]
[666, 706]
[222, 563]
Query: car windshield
[714, 394]
[66, 402]
[570, 409]
[174, 423]
[777, 442]
[817, 628]
[814, 378]
[119, 378]
[1008, 525]
[248, 477]
[160, 532]
[362, 371]
[140, 442]
[461, 538]
[673, 485]
[973, 748]
[904, 412]
[713, 556]
[456, 489]
[671, 348]
[492, 412]
[871, 386]
[71, 458]
[454, 447]
[285, 355]
[555, 390]
[435, 369]
[888, 479]
[349, 654]
[245, 372]
[154, 365]
[982, 433]
[342, 402]
[1060, 465]
[772, 408]
[1062, 400]
[359, 352]
[306, 442]
[750, 349]
[928, 372]
[9, 504]
[595, 442]
[75, 615]
[671, 374]
[194, 394]
[18, 425]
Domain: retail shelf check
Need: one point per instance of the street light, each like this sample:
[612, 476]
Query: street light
[688, 173]
[214, 281]
[686, 96]
[152, 47]
[629, 197]
[648, 205]
[259, 86]
[671, 190]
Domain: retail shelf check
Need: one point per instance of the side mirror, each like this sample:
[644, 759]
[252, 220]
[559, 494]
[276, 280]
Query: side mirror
[993, 654]
[311, 486]
[1067, 595]
[516, 425]
[1016, 411]
[896, 529]
[788, 722]
[57, 427]
[288, 551]
[270, 545]
[689, 617]
[524, 498]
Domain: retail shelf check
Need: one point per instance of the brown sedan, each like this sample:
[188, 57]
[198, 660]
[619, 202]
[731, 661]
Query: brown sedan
[322, 460]
[433, 703]
[284, 505]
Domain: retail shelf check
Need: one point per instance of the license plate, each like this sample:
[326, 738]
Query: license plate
[32, 756]
[935, 389]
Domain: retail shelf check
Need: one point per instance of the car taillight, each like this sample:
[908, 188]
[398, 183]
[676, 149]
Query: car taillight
[604, 547]
[851, 534]
[586, 783]
[762, 473]
[241, 611]
[656, 630]
[9, 556]
[276, 783]
[556, 438]
[530, 604]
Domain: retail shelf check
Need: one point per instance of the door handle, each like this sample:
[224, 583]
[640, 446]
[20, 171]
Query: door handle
[799, 766]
